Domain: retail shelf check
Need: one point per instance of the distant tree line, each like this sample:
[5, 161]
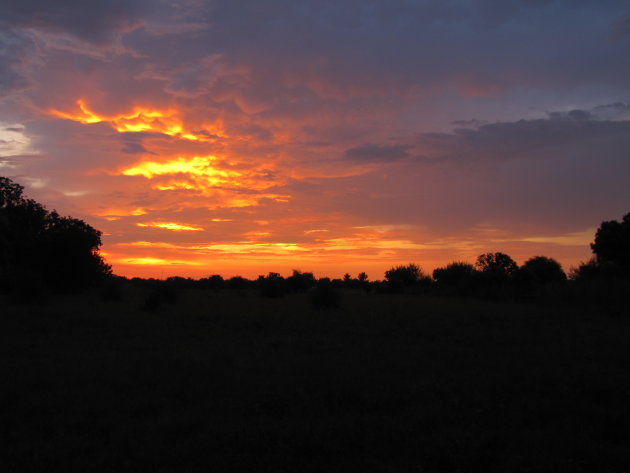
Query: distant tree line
[43, 251]
[492, 276]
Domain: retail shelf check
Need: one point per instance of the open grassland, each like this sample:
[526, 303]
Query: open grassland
[234, 382]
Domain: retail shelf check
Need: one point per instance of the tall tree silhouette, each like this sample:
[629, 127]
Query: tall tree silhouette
[612, 243]
[36, 243]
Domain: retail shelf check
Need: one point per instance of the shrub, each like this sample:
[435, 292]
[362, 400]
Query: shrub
[406, 278]
[273, 285]
[300, 282]
[324, 295]
[542, 270]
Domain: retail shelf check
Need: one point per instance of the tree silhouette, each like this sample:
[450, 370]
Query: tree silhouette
[454, 273]
[498, 264]
[272, 285]
[542, 270]
[38, 244]
[300, 282]
[402, 278]
[612, 243]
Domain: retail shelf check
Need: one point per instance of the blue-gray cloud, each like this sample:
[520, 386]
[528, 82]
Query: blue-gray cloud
[372, 152]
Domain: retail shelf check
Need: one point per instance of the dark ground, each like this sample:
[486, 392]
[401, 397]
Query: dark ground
[235, 382]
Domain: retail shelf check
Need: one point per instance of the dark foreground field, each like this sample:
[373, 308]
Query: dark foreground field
[235, 382]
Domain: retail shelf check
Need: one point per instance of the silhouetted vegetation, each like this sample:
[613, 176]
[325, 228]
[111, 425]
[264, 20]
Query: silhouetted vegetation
[324, 295]
[272, 285]
[407, 278]
[612, 245]
[422, 374]
[41, 248]
[300, 282]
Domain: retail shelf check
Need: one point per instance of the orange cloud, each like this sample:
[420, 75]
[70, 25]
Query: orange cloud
[117, 213]
[176, 227]
[167, 122]
[209, 176]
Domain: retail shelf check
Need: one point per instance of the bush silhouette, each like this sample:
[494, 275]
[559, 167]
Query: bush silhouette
[364, 282]
[405, 278]
[542, 270]
[272, 285]
[457, 278]
[454, 273]
[62, 251]
[300, 282]
[238, 283]
[324, 295]
[214, 283]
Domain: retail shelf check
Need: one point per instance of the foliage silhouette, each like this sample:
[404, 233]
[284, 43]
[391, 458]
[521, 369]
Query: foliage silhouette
[300, 282]
[406, 278]
[214, 283]
[272, 285]
[454, 273]
[612, 243]
[496, 263]
[62, 251]
[324, 295]
[238, 283]
[542, 270]
[457, 278]
[364, 282]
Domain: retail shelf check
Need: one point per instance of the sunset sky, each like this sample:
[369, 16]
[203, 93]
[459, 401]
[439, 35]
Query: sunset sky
[242, 137]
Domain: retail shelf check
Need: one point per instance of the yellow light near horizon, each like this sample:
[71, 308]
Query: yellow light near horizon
[176, 227]
[156, 262]
[116, 213]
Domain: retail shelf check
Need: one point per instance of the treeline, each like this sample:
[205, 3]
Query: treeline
[42, 252]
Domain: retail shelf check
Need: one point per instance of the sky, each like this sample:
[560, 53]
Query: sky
[240, 137]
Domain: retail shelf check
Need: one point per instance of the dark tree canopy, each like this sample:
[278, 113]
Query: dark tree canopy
[454, 273]
[404, 275]
[542, 270]
[612, 243]
[38, 244]
[496, 263]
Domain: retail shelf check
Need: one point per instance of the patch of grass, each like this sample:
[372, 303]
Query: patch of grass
[384, 384]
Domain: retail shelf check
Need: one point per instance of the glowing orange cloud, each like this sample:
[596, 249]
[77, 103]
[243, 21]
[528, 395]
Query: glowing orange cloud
[177, 227]
[140, 119]
[117, 213]
[158, 262]
[198, 166]
[206, 174]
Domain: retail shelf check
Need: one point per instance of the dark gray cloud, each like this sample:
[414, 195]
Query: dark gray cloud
[542, 175]
[573, 132]
[12, 47]
[372, 152]
[90, 20]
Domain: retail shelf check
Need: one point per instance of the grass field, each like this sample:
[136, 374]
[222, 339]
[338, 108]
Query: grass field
[234, 382]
